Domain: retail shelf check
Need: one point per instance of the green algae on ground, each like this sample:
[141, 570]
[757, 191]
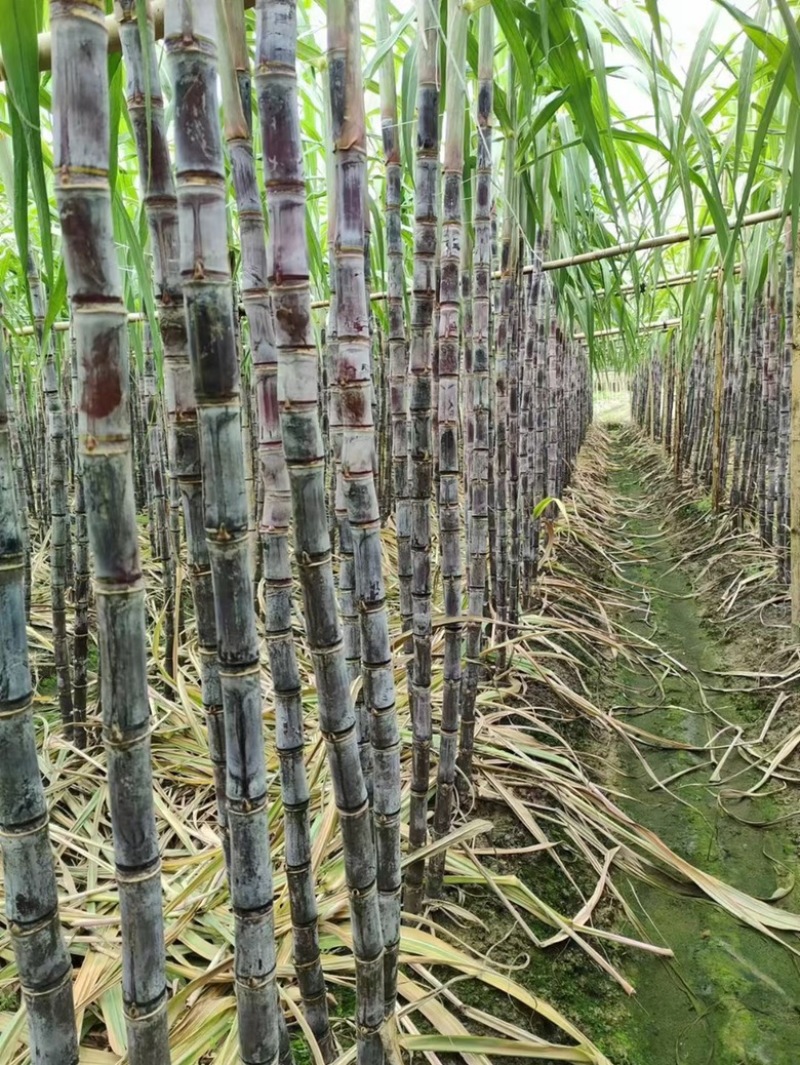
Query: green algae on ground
[730, 996]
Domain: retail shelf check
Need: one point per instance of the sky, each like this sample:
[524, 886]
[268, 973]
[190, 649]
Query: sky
[687, 18]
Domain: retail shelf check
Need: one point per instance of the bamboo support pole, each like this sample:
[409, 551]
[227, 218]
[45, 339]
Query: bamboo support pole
[648, 243]
[597, 255]
[138, 316]
[675, 281]
[63, 326]
[665, 323]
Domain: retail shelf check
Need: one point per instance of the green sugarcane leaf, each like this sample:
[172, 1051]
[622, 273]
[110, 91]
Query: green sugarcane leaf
[19, 26]
[408, 91]
[123, 223]
[543, 504]
[116, 90]
[652, 10]
[386, 47]
[772, 47]
[20, 189]
[55, 304]
[516, 43]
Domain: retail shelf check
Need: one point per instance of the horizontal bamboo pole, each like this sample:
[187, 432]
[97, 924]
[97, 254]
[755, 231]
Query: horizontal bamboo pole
[666, 323]
[137, 316]
[63, 326]
[157, 10]
[668, 282]
[647, 243]
[648, 327]
[675, 281]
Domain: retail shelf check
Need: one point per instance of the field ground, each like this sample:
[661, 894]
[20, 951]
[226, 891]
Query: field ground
[692, 767]
[680, 771]
[616, 717]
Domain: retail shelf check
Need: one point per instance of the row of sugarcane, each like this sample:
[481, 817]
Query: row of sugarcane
[188, 455]
[724, 411]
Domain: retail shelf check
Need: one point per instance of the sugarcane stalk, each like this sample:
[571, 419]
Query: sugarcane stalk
[348, 575]
[718, 475]
[395, 285]
[24, 494]
[766, 473]
[516, 332]
[420, 367]
[190, 36]
[274, 531]
[478, 414]
[158, 501]
[501, 341]
[298, 392]
[80, 160]
[541, 402]
[31, 899]
[354, 378]
[82, 586]
[741, 392]
[450, 337]
[784, 415]
[56, 479]
[794, 450]
[146, 107]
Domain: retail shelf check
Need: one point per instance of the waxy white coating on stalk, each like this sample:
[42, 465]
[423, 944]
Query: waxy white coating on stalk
[31, 899]
[146, 108]
[420, 369]
[80, 151]
[274, 526]
[190, 36]
[478, 439]
[276, 79]
[353, 371]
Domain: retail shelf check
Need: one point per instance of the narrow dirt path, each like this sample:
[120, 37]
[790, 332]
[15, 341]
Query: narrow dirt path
[730, 996]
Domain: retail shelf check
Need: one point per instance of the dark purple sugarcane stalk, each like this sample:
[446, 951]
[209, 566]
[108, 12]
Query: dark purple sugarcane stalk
[450, 523]
[478, 427]
[420, 368]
